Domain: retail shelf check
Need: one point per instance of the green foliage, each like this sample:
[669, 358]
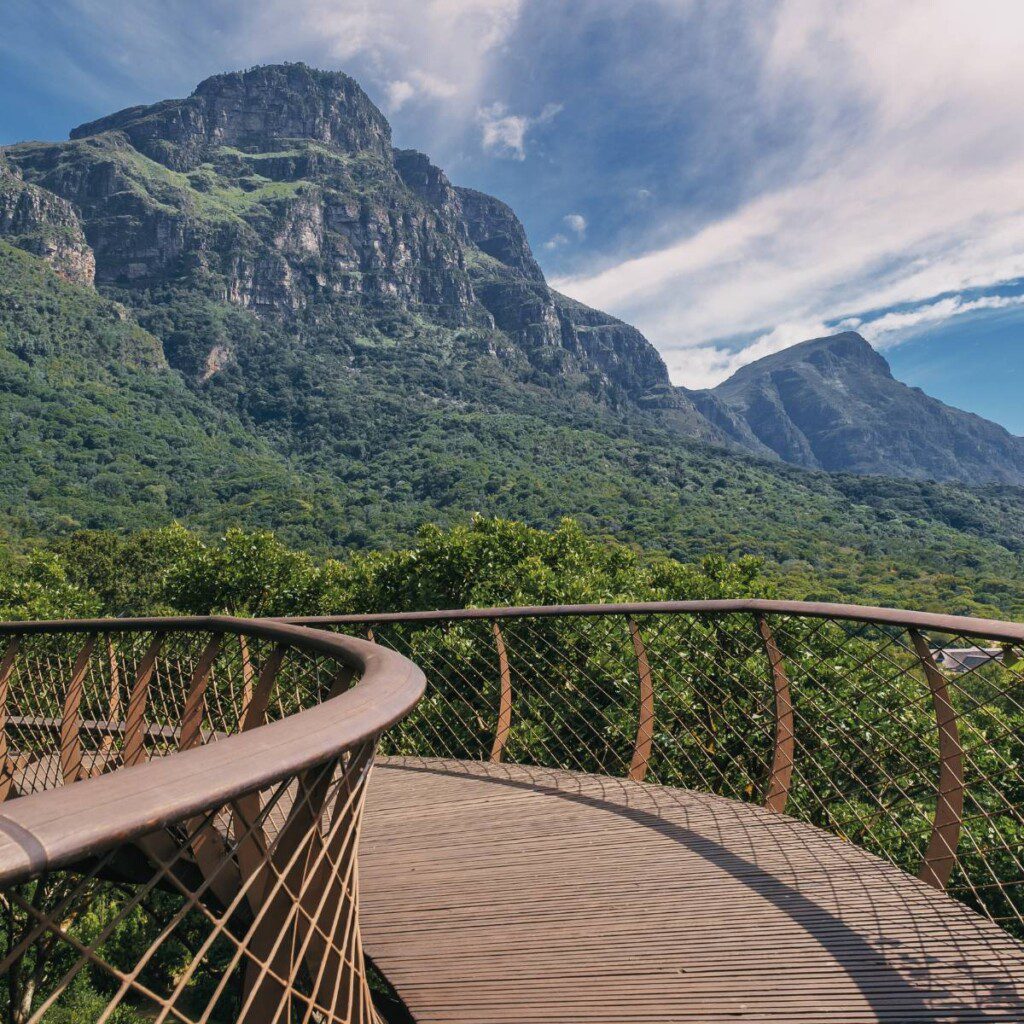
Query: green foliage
[350, 431]
[493, 562]
[38, 586]
[480, 564]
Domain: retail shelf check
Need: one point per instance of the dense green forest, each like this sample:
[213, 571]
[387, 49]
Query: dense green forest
[481, 562]
[103, 435]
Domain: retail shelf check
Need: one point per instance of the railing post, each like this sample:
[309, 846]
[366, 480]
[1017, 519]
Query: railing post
[6, 667]
[243, 645]
[71, 721]
[645, 725]
[784, 741]
[504, 698]
[190, 732]
[940, 856]
[134, 749]
[113, 706]
[251, 850]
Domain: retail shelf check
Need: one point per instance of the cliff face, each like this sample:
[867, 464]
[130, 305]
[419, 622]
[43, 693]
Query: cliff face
[277, 190]
[252, 111]
[41, 223]
[269, 189]
[832, 403]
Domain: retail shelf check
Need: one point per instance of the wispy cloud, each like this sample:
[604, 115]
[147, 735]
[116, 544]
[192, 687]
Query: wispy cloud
[910, 186]
[436, 50]
[419, 86]
[504, 133]
[576, 223]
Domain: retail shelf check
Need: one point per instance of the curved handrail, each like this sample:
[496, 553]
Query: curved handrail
[51, 829]
[990, 629]
[246, 828]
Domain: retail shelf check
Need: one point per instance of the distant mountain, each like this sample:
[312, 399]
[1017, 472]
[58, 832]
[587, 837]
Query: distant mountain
[832, 403]
[245, 306]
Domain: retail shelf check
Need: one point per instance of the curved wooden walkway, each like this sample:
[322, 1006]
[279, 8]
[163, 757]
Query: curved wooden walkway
[494, 893]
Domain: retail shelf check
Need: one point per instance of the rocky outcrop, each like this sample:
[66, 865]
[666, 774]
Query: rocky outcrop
[313, 208]
[832, 403]
[255, 111]
[41, 223]
[277, 190]
[495, 229]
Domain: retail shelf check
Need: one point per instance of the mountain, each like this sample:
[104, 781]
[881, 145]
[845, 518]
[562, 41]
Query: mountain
[246, 306]
[833, 404]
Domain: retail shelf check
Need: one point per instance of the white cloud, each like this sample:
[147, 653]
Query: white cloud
[911, 186]
[504, 133]
[422, 86]
[399, 93]
[576, 222]
[442, 50]
[556, 242]
[892, 328]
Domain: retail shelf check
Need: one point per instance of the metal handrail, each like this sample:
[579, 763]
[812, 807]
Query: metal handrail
[986, 629]
[53, 828]
[561, 703]
[248, 826]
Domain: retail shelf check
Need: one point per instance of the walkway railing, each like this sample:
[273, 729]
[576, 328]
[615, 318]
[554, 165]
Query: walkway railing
[218, 883]
[841, 716]
[184, 795]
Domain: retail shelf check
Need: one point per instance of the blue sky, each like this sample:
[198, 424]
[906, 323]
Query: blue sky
[731, 177]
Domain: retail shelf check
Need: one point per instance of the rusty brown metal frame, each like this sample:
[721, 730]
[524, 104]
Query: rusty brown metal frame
[784, 749]
[940, 856]
[962, 625]
[504, 696]
[261, 825]
[645, 716]
[57, 827]
[265, 821]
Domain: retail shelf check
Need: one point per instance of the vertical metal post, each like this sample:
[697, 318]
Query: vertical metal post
[195, 702]
[940, 856]
[71, 720]
[645, 726]
[134, 749]
[6, 667]
[785, 740]
[504, 698]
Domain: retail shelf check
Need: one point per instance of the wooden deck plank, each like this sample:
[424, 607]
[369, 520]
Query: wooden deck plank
[497, 893]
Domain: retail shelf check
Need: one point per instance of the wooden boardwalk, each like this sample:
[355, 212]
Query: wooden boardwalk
[494, 893]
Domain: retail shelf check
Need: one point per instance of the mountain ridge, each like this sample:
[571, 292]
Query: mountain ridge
[832, 403]
[278, 190]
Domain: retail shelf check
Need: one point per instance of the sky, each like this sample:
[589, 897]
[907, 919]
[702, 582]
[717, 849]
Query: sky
[730, 176]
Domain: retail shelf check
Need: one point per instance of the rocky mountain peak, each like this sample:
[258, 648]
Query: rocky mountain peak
[258, 110]
[834, 354]
[832, 403]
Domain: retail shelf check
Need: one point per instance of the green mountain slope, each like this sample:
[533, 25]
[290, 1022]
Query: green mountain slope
[98, 431]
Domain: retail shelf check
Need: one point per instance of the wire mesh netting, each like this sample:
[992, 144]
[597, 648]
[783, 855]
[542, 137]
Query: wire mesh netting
[245, 910]
[877, 733]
